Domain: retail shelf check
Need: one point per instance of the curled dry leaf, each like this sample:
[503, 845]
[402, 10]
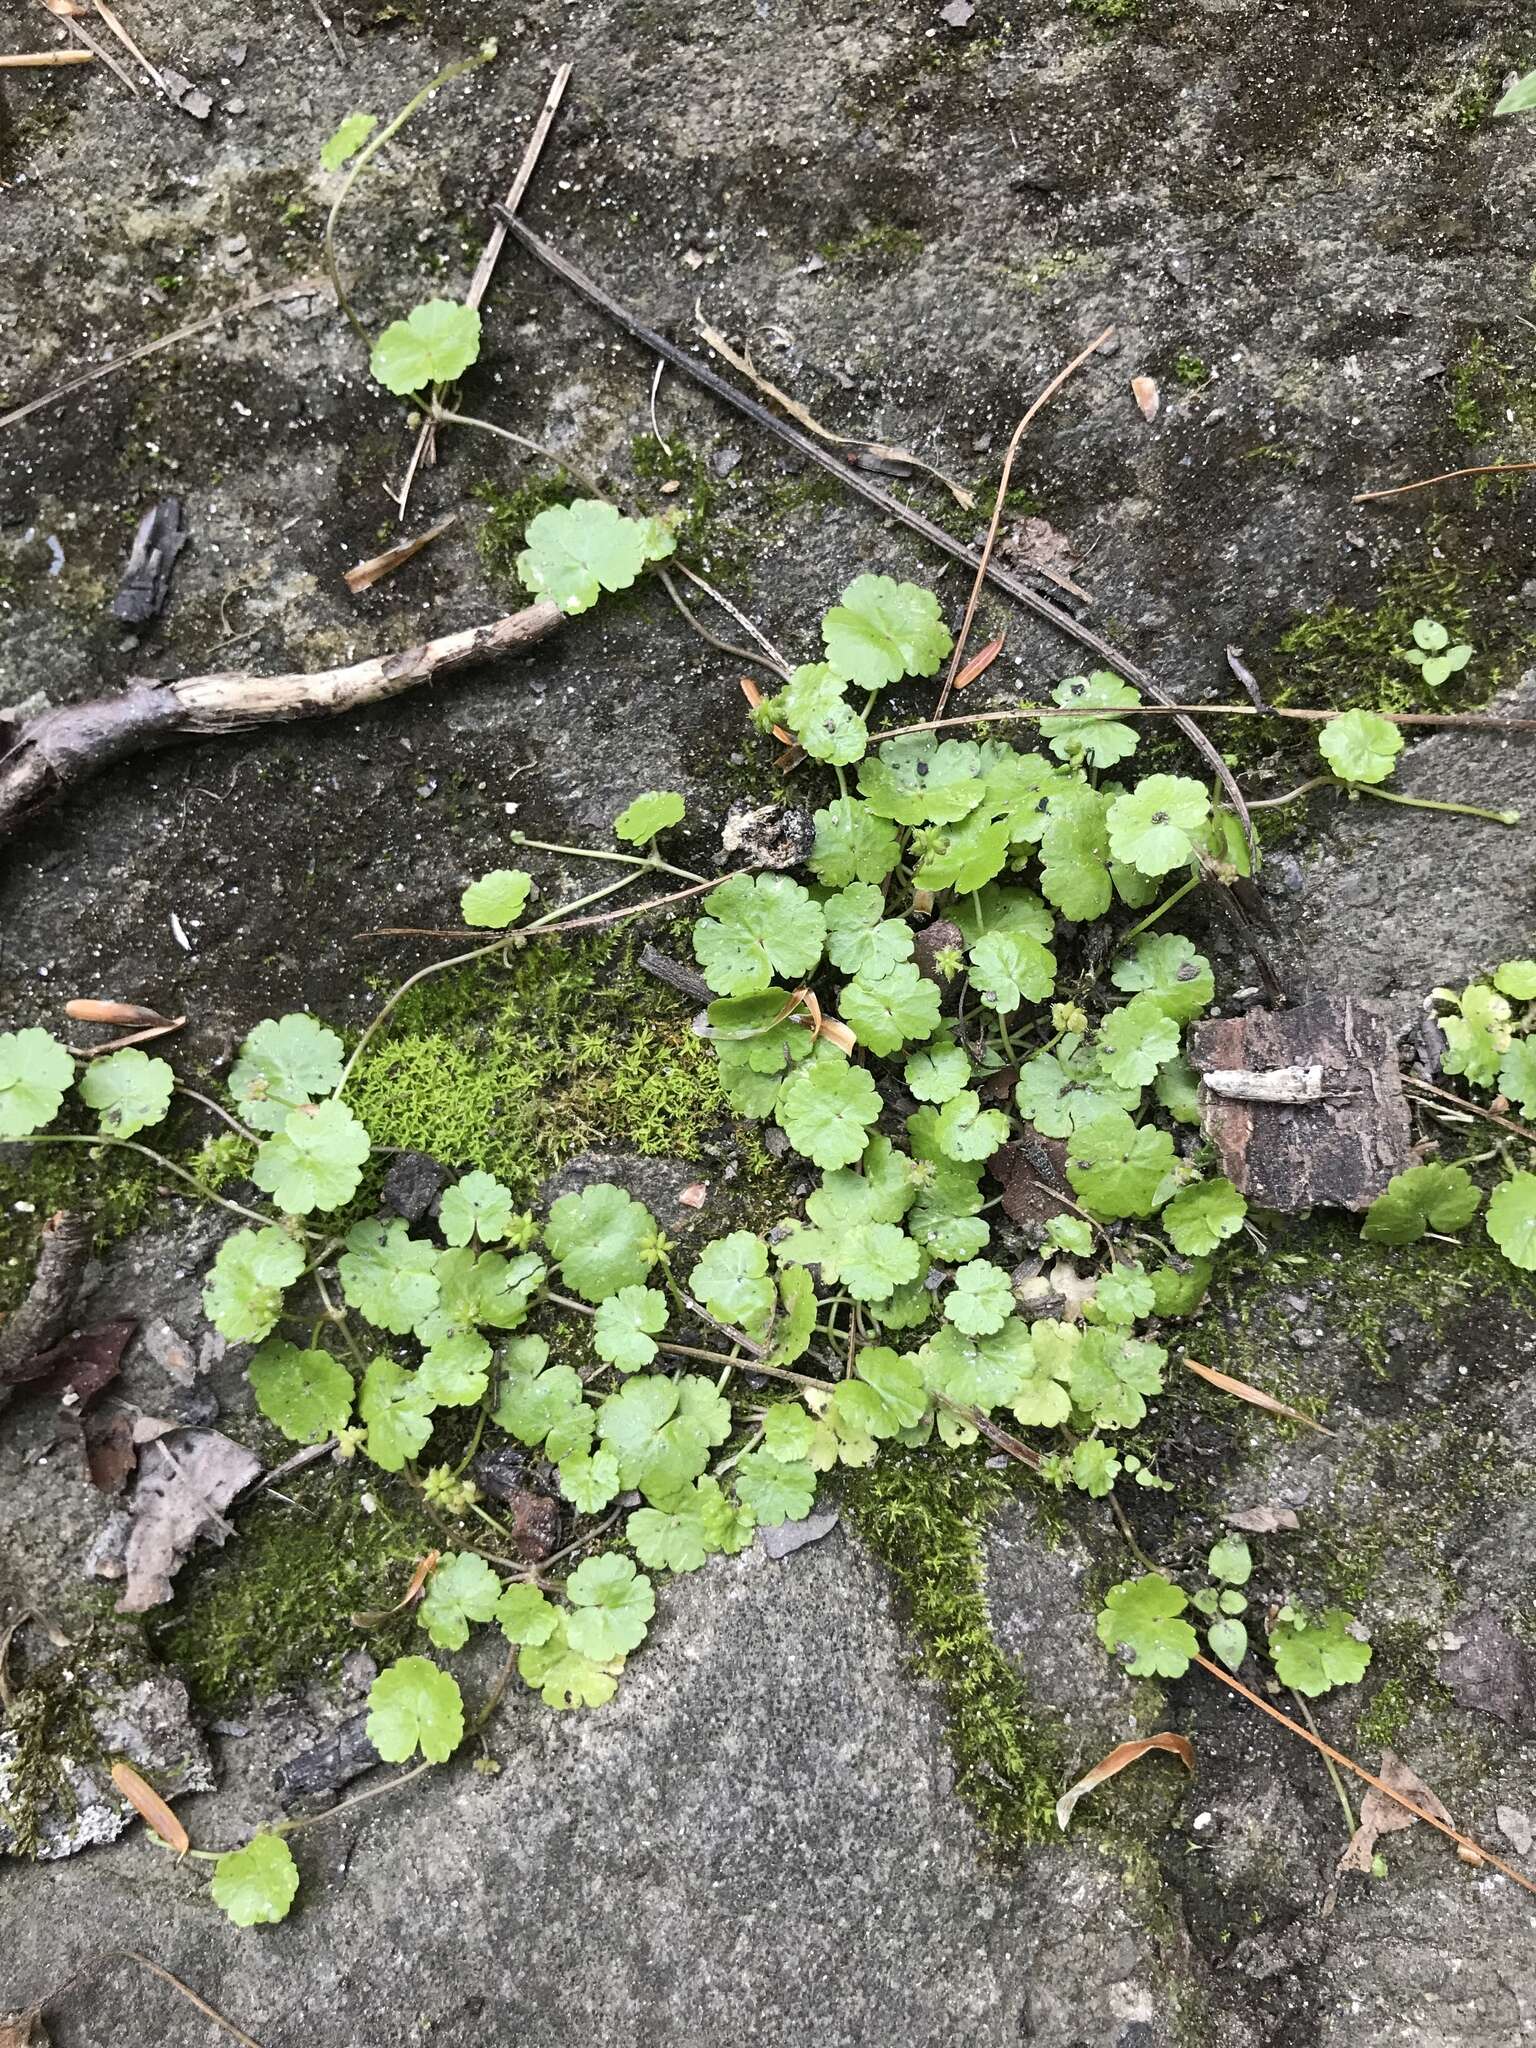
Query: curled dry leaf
[741, 361]
[90, 1010]
[1243, 1392]
[980, 663]
[1146, 394]
[425, 1567]
[150, 1807]
[186, 1480]
[363, 575]
[1110, 1766]
[24, 2029]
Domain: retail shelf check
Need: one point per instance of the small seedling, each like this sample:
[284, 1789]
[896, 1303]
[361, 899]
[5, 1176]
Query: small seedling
[1432, 653]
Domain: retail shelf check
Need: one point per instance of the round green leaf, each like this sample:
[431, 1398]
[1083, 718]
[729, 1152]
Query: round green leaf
[577, 551]
[757, 927]
[434, 344]
[1200, 1217]
[1511, 1220]
[1154, 826]
[306, 1394]
[497, 899]
[463, 1589]
[603, 1239]
[647, 815]
[387, 1275]
[884, 630]
[35, 1070]
[315, 1161]
[626, 1325]
[478, 1206]
[1359, 746]
[411, 1705]
[256, 1885]
[611, 1605]
[129, 1090]
[1139, 1623]
[826, 1108]
[284, 1063]
[244, 1295]
[775, 1490]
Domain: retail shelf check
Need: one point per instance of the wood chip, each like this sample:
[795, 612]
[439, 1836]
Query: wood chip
[1146, 394]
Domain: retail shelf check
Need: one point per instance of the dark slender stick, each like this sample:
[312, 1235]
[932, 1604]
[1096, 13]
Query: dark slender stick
[862, 487]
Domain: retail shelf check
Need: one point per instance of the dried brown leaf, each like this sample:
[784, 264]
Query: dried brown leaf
[1380, 1815]
[1243, 1392]
[24, 2029]
[425, 1567]
[150, 1807]
[1118, 1758]
[1263, 1521]
[364, 575]
[186, 1480]
[88, 1010]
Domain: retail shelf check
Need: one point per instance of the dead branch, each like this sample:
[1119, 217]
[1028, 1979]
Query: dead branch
[51, 755]
[41, 1319]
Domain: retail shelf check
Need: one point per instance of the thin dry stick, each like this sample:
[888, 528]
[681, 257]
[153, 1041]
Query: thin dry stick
[159, 1970]
[479, 284]
[1446, 476]
[330, 32]
[112, 22]
[45, 60]
[743, 363]
[306, 286]
[1376, 1784]
[1505, 1123]
[997, 510]
[83, 35]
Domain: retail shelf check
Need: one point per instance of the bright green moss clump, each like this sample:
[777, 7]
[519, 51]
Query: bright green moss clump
[515, 1071]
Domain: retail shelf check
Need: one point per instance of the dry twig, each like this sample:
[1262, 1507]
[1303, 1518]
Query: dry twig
[1446, 476]
[55, 752]
[997, 510]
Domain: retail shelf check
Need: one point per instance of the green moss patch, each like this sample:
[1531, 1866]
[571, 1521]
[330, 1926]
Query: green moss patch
[274, 1606]
[515, 1071]
[924, 1514]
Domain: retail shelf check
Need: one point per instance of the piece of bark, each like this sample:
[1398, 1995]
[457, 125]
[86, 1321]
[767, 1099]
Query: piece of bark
[675, 975]
[44, 759]
[316, 1775]
[146, 584]
[1030, 1170]
[42, 1318]
[1338, 1151]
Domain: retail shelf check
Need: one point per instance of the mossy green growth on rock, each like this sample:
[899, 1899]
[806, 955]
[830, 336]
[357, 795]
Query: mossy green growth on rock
[924, 1513]
[500, 539]
[49, 1719]
[517, 1070]
[118, 1189]
[883, 242]
[274, 1606]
